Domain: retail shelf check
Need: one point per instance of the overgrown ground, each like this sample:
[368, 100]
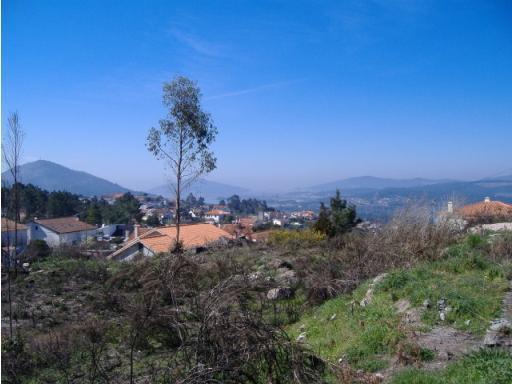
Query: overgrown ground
[403, 311]
[209, 317]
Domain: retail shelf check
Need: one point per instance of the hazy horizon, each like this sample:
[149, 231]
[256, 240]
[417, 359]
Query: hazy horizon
[302, 92]
[270, 190]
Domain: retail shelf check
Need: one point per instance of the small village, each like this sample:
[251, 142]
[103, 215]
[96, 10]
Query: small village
[204, 225]
[256, 192]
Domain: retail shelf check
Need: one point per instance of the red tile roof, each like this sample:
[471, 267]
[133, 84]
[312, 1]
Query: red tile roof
[65, 224]
[217, 212]
[161, 239]
[486, 209]
[8, 225]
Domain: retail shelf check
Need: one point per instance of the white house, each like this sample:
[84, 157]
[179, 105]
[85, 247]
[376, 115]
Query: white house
[61, 231]
[216, 215]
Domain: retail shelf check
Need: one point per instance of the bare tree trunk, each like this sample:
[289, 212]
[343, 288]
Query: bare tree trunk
[9, 258]
[178, 213]
[179, 176]
[11, 148]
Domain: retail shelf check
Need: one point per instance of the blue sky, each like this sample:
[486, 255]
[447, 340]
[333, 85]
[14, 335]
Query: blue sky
[302, 92]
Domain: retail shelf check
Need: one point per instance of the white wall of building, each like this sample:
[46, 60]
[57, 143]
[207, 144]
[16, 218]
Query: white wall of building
[53, 239]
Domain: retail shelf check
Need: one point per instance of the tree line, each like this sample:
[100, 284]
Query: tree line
[245, 206]
[36, 202]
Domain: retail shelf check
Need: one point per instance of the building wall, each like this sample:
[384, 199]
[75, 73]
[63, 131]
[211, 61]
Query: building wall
[130, 253]
[38, 232]
[75, 238]
[8, 238]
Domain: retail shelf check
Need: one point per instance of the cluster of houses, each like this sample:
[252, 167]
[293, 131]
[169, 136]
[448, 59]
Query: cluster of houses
[211, 226]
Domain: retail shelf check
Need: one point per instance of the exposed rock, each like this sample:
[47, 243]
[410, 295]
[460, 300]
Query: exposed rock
[499, 334]
[402, 305]
[379, 278]
[368, 297]
[442, 308]
[280, 293]
[301, 338]
[255, 275]
[447, 343]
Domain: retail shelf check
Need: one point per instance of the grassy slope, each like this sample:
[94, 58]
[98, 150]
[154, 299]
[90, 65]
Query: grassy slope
[483, 367]
[367, 337]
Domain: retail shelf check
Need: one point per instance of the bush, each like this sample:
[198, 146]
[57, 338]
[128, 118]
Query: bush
[500, 247]
[304, 238]
[37, 250]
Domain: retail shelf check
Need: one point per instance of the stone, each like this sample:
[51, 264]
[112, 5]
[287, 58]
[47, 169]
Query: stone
[500, 325]
[441, 304]
[379, 278]
[301, 338]
[442, 307]
[255, 275]
[333, 317]
[280, 293]
[427, 303]
[368, 297]
[498, 333]
[302, 328]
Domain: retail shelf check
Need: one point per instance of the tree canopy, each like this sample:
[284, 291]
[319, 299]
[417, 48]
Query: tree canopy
[339, 218]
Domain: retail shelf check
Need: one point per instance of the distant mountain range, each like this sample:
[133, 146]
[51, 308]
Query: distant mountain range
[497, 188]
[371, 182]
[55, 177]
[52, 177]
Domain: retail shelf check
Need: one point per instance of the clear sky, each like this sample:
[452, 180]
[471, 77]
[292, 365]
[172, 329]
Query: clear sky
[302, 92]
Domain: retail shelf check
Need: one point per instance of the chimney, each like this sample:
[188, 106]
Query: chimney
[136, 230]
[487, 199]
[450, 207]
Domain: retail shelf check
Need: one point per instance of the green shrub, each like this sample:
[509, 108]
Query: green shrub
[395, 280]
[37, 250]
[304, 238]
[475, 241]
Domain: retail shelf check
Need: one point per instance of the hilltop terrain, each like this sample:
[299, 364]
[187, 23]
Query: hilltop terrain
[361, 308]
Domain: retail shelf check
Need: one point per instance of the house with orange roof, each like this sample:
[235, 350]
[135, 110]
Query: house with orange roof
[486, 212]
[162, 239]
[216, 215]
